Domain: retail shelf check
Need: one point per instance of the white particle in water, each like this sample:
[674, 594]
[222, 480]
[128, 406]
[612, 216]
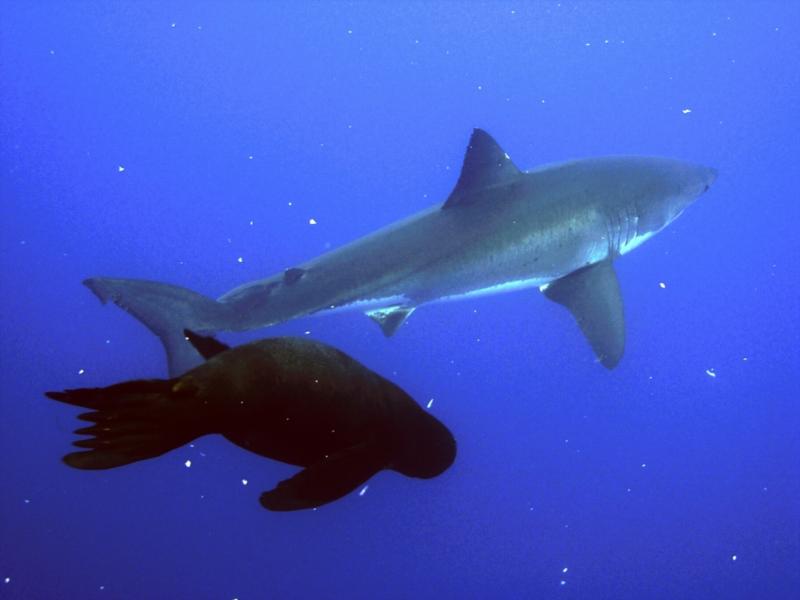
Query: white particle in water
[120, 169]
[711, 373]
[188, 463]
[244, 481]
[662, 285]
[644, 465]
[363, 490]
[686, 111]
[565, 569]
[563, 582]
[240, 260]
[430, 402]
[7, 580]
[734, 557]
[312, 221]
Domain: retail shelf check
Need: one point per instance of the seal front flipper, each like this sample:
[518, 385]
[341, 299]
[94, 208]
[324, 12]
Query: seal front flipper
[327, 480]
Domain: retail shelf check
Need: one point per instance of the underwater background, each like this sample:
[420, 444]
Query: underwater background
[209, 144]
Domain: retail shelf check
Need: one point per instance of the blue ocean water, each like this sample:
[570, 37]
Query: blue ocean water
[193, 143]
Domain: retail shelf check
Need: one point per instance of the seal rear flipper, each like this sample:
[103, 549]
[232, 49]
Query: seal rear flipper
[132, 421]
[327, 480]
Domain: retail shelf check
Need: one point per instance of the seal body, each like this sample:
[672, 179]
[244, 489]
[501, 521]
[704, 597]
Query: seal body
[290, 399]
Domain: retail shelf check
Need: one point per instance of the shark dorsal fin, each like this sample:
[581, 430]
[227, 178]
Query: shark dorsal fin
[485, 165]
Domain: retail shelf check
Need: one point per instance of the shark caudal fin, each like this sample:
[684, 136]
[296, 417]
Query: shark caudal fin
[131, 421]
[166, 310]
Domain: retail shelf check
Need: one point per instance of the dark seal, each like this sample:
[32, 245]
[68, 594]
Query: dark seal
[290, 399]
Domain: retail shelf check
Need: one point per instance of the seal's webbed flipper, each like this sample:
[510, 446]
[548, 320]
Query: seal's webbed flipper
[207, 346]
[132, 421]
[327, 480]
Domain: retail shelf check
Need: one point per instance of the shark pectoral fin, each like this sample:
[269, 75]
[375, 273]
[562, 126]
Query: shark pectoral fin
[389, 319]
[593, 297]
[327, 480]
[486, 164]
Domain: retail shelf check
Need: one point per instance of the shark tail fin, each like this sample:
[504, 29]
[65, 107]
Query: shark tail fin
[166, 310]
[130, 421]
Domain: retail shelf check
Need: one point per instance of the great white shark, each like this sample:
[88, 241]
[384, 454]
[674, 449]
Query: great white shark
[557, 227]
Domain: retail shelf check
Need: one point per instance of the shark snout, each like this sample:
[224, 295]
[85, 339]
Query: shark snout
[710, 177]
[699, 179]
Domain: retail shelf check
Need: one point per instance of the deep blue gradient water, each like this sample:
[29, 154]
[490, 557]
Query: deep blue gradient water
[170, 140]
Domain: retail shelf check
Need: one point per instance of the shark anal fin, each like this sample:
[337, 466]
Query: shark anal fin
[593, 297]
[207, 346]
[389, 319]
[327, 480]
[486, 165]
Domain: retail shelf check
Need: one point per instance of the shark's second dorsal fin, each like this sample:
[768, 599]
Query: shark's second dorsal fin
[485, 165]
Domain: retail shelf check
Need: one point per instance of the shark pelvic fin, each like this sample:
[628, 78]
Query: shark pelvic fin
[389, 319]
[593, 297]
[485, 165]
